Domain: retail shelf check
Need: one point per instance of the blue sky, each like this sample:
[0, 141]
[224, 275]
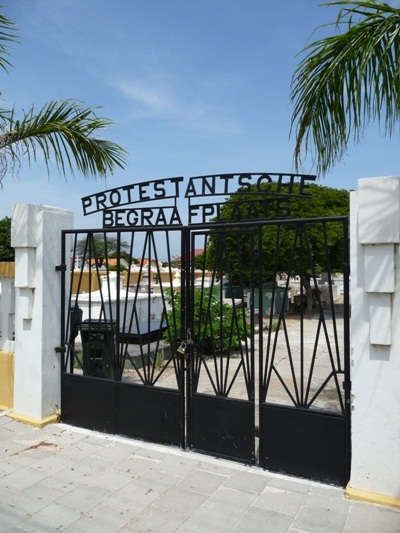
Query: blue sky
[194, 87]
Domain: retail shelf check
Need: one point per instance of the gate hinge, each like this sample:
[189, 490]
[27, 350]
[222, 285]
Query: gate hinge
[347, 385]
[60, 349]
[61, 268]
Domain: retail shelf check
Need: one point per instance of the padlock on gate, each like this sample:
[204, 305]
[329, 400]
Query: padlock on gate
[182, 348]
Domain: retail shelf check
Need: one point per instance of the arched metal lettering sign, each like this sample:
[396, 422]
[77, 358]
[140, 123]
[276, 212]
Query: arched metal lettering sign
[154, 203]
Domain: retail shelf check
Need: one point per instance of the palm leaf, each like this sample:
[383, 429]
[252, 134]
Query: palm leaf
[8, 34]
[64, 133]
[347, 80]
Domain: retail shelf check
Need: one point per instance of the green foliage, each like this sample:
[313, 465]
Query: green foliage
[347, 80]
[277, 242]
[217, 326]
[62, 131]
[99, 247]
[7, 253]
[199, 261]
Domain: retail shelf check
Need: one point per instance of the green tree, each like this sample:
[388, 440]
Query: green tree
[347, 80]
[282, 248]
[7, 253]
[96, 248]
[62, 131]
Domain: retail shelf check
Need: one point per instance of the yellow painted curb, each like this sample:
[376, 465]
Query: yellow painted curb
[6, 380]
[34, 421]
[371, 497]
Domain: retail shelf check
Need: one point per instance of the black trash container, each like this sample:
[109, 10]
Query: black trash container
[98, 348]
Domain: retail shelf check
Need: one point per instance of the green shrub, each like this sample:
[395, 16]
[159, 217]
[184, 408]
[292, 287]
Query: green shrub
[217, 326]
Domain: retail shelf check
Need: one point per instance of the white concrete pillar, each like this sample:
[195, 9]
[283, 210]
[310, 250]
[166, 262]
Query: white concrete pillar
[36, 237]
[375, 340]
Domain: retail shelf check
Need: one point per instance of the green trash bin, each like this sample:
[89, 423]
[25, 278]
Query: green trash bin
[281, 303]
[98, 348]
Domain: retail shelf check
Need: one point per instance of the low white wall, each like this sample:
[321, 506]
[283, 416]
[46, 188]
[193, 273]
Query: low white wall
[7, 312]
[36, 237]
[375, 336]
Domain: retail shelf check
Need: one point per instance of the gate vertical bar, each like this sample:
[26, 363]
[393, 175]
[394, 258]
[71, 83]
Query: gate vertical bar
[256, 266]
[186, 367]
[62, 314]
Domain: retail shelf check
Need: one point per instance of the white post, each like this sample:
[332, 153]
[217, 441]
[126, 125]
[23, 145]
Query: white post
[36, 237]
[375, 340]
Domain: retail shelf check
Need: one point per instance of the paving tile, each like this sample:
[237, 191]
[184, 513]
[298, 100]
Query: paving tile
[11, 516]
[66, 480]
[23, 478]
[9, 447]
[84, 498]
[368, 518]
[247, 482]
[135, 466]
[103, 518]
[156, 520]
[294, 485]
[116, 451]
[154, 479]
[230, 500]
[327, 502]
[326, 490]
[216, 521]
[257, 520]
[151, 453]
[217, 467]
[51, 463]
[177, 464]
[93, 464]
[67, 435]
[202, 482]
[95, 440]
[31, 499]
[111, 479]
[79, 450]
[313, 520]
[52, 517]
[180, 501]
[280, 500]
[132, 497]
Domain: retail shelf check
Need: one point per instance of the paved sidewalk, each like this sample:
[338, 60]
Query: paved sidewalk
[62, 478]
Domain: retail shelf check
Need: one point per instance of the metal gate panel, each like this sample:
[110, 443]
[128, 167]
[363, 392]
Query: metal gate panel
[304, 361]
[223, 427]
[88, 403]
[221, 398]
[304, 443]
[119, 340]
[149, 413]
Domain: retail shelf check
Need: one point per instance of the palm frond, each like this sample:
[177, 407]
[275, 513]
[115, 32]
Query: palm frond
[347, 80]
[8, 33]
[64, 133]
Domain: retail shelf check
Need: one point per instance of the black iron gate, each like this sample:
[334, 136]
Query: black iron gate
[241, 351]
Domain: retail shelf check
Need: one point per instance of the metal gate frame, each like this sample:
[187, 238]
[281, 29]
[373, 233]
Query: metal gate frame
[103, 401]
[297, 439]
[215, 423]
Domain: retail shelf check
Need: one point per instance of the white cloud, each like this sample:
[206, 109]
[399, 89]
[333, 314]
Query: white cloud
[154, 100]
[157, 99]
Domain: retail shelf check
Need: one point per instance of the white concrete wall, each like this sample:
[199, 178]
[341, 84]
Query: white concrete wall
[7, 312]
[375, 336]
[36, 237]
